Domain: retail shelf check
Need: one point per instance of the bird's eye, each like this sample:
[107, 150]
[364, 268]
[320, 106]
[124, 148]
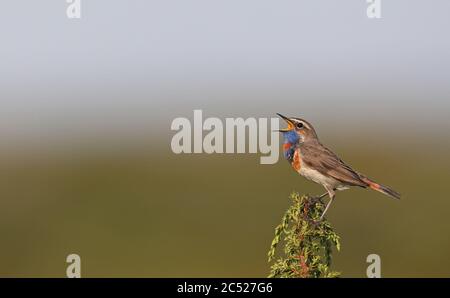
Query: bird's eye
[299, 125]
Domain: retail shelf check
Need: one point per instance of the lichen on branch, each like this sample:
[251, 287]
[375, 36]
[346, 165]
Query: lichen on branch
[308, 241]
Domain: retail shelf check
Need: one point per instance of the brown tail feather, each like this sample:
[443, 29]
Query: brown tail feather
[381, 188]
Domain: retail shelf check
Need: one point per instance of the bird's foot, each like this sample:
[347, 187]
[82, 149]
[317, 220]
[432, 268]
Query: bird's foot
[318, 221]
[313, 222]
[317, 199]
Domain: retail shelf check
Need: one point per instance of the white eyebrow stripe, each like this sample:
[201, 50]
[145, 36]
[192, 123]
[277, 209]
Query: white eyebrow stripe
[303, 122]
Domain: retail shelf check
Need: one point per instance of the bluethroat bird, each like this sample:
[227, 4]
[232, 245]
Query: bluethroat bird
[317, 163]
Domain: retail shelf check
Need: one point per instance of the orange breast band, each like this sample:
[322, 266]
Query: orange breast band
[296, 162]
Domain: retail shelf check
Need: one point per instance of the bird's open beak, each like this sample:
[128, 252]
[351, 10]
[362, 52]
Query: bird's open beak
[289, 123]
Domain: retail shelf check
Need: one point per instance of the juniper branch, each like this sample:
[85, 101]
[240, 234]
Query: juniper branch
[308, 242]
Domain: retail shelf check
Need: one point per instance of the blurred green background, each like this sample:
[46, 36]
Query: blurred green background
[86, 107]
[149, 212]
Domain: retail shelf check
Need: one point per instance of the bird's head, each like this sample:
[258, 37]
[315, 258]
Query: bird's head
[298, 130]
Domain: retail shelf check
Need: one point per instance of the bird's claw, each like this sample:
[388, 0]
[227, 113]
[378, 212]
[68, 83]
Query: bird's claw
[313, 222]
[317, 199]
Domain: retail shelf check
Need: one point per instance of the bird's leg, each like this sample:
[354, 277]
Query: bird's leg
[326, 208]
[319, 198]
[332, 194]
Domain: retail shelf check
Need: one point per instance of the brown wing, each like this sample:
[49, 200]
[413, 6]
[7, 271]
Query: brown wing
[326, 162]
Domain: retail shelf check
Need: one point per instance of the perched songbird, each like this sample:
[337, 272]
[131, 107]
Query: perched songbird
[315, 162]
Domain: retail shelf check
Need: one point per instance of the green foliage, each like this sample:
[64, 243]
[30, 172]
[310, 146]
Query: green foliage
[308, 242]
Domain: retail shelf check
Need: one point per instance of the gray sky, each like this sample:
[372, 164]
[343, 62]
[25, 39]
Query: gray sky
[131, 66]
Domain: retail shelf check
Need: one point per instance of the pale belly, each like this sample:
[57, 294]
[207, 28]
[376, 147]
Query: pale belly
[321, 179]
[314, 175]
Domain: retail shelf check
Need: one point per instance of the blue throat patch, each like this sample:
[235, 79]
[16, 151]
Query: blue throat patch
[291, 138]
[289, 153]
